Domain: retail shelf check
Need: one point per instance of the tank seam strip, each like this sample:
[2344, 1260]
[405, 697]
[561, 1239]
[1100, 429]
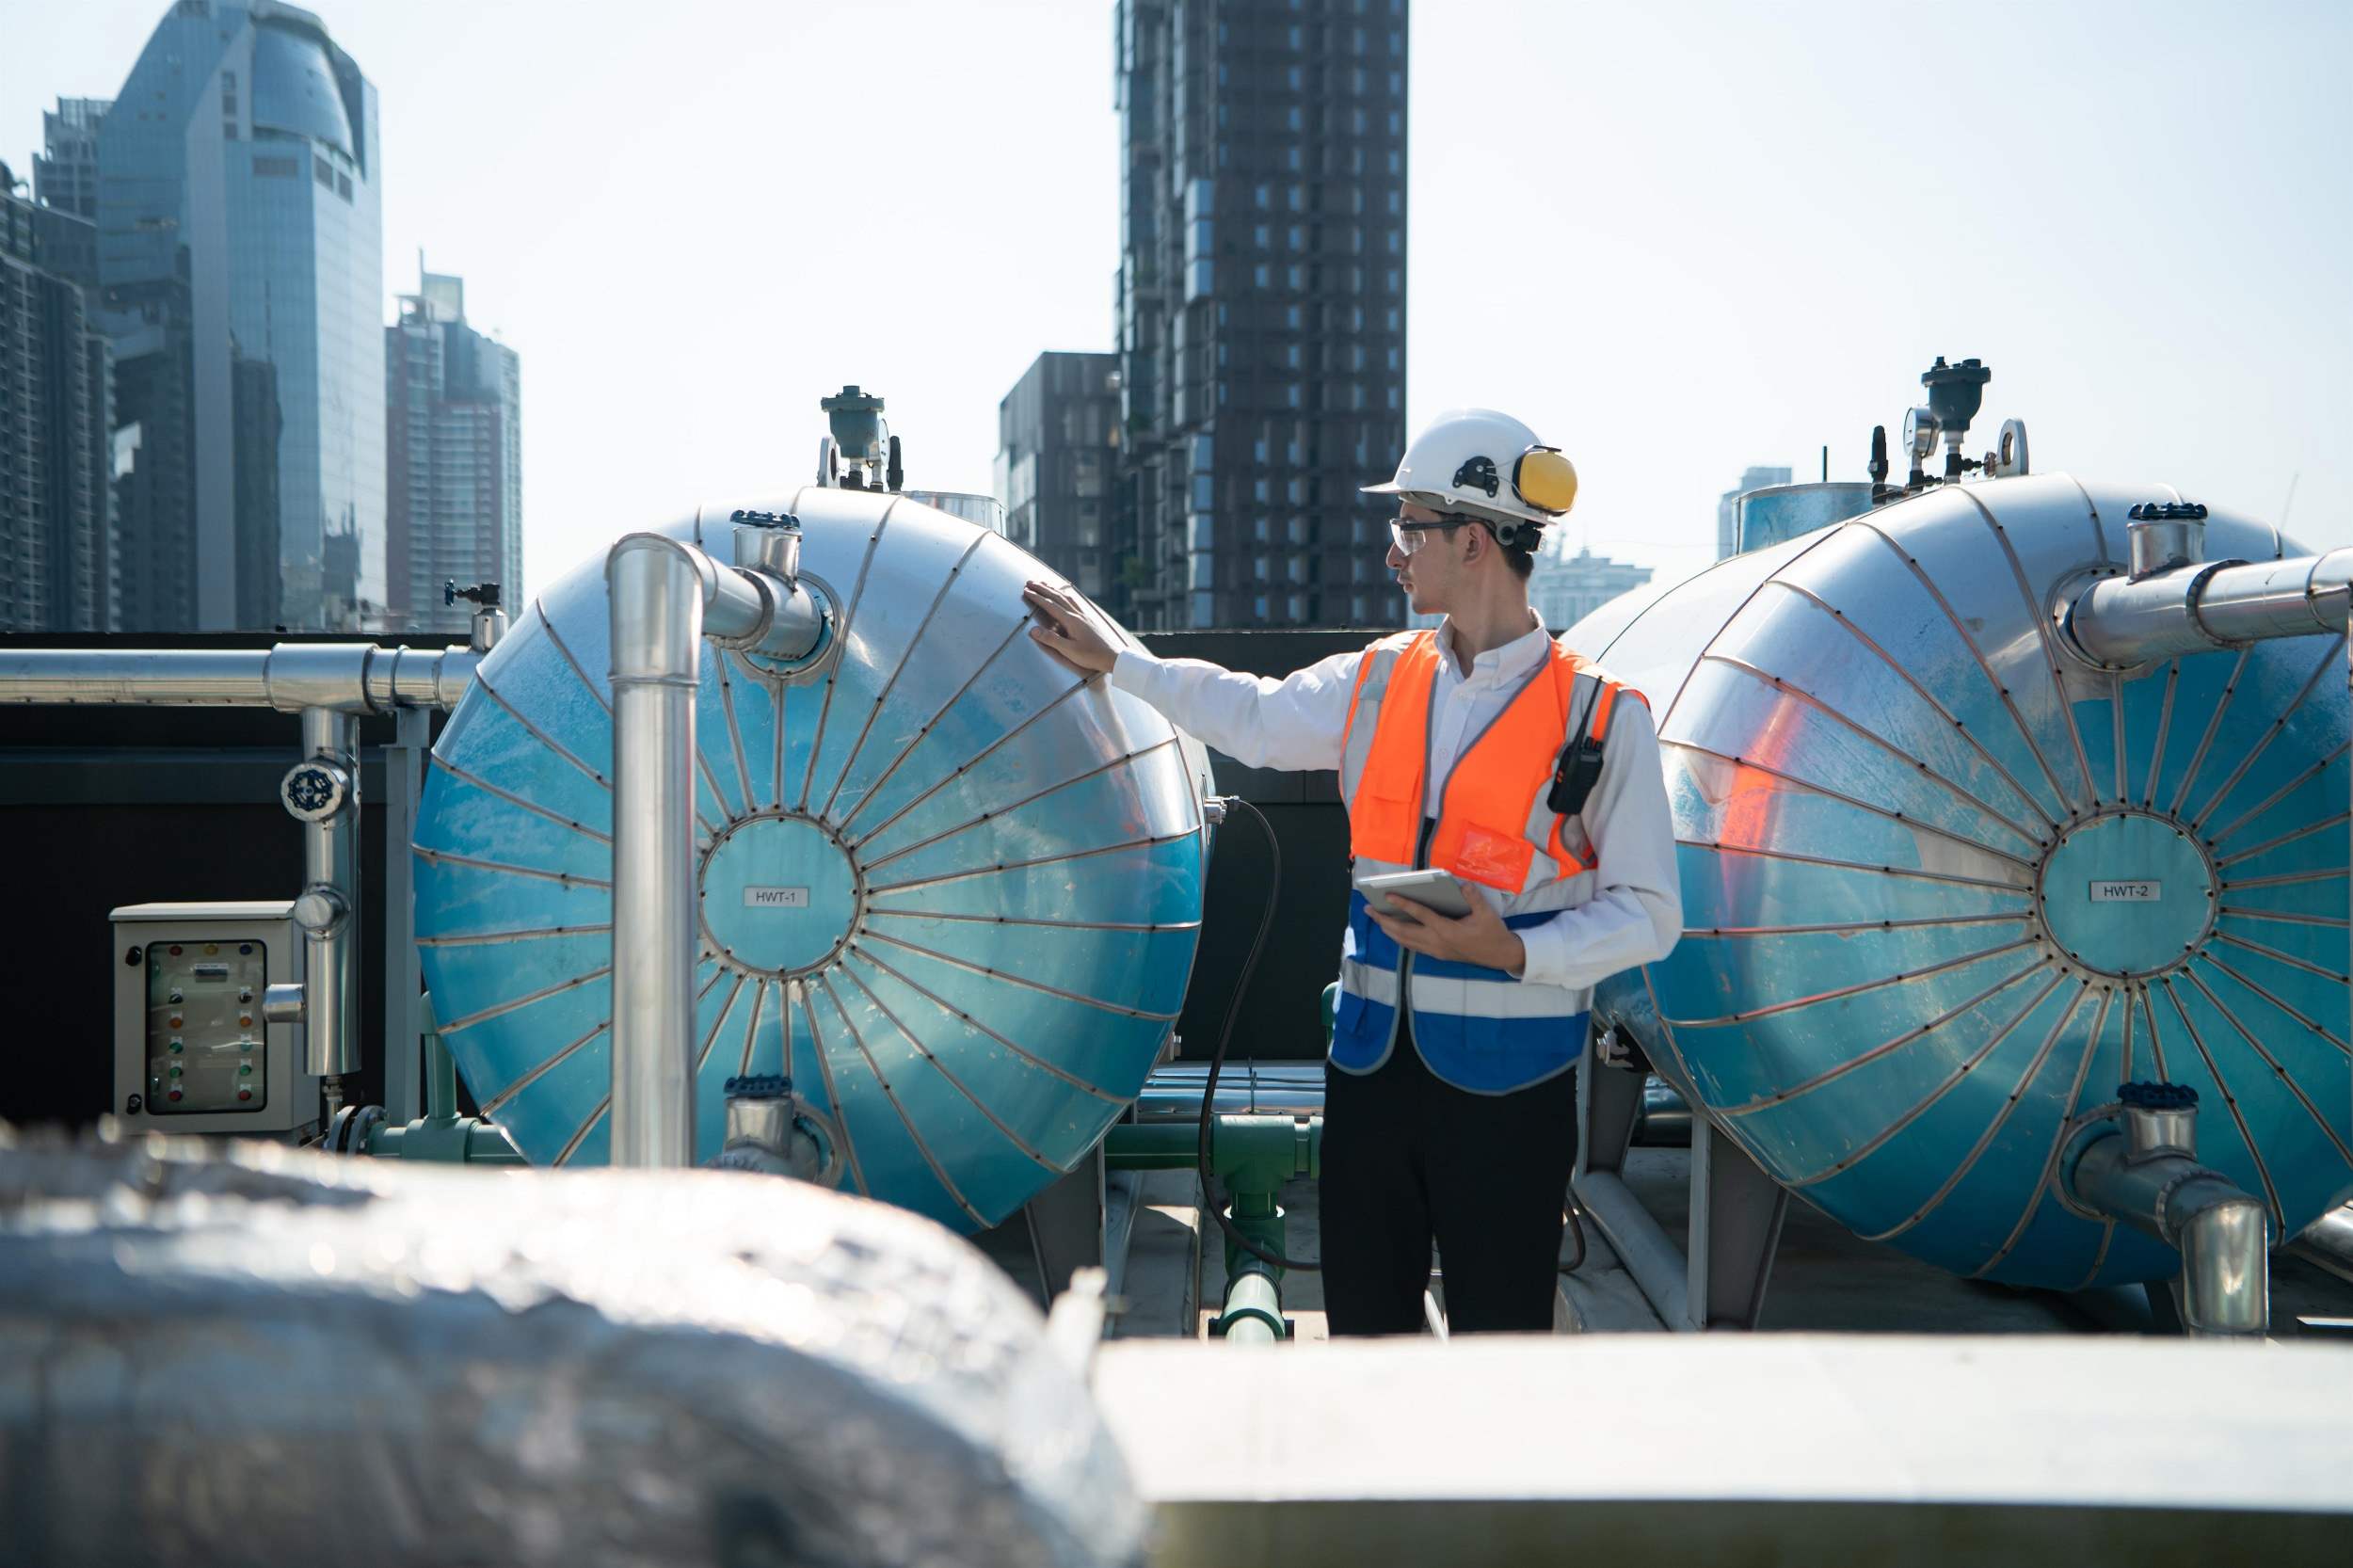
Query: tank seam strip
[905, 659]
[2001, 1118]
[1872, 736]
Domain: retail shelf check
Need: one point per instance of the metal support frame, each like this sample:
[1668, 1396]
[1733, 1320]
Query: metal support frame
[404, 1023]
[1718, 1280]
[1067, 1225]
[329, 685]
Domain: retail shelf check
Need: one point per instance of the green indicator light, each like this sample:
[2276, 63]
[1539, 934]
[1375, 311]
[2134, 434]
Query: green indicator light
[175, 1069]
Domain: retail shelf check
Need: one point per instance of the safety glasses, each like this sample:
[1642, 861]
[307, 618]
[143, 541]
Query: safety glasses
[1410, 537]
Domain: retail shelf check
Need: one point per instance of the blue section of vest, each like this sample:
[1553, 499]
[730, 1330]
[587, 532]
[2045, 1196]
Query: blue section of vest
[1470, 1051]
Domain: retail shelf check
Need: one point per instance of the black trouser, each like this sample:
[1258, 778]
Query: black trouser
[1408, 1157]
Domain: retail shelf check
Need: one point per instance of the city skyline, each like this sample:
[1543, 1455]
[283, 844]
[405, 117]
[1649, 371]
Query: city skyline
[1685, 285]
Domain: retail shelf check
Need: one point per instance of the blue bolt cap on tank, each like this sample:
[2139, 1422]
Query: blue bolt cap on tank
[1945, 881]
[948, 889]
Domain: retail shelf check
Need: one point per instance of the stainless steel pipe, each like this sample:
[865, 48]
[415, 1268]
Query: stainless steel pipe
[327, 907]
[2124, 621]
[665, 595]
[658, 588]
[2146, 1174]
[349, 678]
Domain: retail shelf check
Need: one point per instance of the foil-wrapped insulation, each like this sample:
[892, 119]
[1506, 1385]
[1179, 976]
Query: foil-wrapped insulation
[241, 1353]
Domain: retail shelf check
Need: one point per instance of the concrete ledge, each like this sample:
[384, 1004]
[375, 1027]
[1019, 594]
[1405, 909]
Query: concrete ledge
[1835, 1448]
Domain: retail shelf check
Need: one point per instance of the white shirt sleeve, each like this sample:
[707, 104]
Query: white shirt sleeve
[1295, 723]
[1636, 913]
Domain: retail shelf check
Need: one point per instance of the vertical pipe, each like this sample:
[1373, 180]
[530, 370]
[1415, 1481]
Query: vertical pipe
[329, 909]
[657, 608]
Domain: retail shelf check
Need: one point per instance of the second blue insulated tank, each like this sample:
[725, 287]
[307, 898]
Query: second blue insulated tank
[1946, 882]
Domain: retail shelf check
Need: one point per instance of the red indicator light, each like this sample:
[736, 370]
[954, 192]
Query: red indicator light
[245, 1094]
[175, 1093]
[175, 950]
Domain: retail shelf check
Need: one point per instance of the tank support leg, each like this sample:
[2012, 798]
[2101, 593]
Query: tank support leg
[1065, 1223]
[1717, 1281]
[1736, 1211]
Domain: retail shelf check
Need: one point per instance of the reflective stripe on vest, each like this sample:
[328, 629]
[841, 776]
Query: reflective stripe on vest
[1478, 1028]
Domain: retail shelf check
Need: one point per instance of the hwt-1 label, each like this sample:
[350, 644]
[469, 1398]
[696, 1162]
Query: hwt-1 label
[775, 898]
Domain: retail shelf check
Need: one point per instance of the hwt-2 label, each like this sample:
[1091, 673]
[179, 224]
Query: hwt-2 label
[2125, 892]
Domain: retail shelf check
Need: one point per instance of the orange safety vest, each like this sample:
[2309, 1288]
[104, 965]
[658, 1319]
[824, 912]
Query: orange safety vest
[1478, 1028]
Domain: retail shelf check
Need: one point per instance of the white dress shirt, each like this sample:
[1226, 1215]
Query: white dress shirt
[1636, 913]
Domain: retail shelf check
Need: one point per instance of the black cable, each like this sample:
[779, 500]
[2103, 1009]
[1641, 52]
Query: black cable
[1209, 1197]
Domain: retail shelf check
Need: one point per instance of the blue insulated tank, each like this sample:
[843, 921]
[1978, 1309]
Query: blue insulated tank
[1946, 884]
[949, 889]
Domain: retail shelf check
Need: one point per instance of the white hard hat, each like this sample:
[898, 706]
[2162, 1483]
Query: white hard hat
[1489, 466]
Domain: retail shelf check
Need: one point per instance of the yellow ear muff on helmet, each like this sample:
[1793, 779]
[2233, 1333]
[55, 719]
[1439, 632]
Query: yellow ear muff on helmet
[1545, 479]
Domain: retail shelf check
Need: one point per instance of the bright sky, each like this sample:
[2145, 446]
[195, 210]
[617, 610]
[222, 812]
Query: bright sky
[1678, 239]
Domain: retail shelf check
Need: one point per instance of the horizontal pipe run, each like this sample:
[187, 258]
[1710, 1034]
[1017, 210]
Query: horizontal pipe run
[1173, 1092]
[2122, 622]
[349, 677]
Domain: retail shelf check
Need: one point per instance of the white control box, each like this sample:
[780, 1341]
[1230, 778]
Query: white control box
[193, 1052]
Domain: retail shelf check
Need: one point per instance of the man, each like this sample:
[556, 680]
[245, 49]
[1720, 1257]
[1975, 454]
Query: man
[1453, 1117]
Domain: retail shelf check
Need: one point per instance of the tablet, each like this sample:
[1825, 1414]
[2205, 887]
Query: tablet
[1439, 889]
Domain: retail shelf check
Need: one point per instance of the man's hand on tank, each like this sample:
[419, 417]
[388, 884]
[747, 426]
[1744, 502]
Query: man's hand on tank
[1478, 937]
[1066, 629]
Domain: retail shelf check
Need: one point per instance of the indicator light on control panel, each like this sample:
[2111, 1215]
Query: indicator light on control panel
[244, 1020]
[175, 950]
[175, 1069]
[245, 1094]
[211, 947]
[174, 997]
[244, 1069]
[173, 1020]
[174, 1095]
[245, 995]
[244, 947]
[177, 1047]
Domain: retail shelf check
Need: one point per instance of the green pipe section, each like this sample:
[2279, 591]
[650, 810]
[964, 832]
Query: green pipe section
[1252, 1156]
[441, 1134]
[1254, 1310]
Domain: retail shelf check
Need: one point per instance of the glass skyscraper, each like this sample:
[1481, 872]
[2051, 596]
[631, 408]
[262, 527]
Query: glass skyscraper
[1261, 307]
[453, 398]
[239, 231]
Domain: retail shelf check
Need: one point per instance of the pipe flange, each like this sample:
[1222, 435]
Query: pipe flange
[2066, 592]
[812, 667]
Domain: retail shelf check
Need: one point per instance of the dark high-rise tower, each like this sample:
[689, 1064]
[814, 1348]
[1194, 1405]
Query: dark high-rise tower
[56, 414]
[1261, 306]
[1057, 450]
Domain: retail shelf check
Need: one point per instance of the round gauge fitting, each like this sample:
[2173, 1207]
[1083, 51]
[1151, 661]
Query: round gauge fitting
[314, 791]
